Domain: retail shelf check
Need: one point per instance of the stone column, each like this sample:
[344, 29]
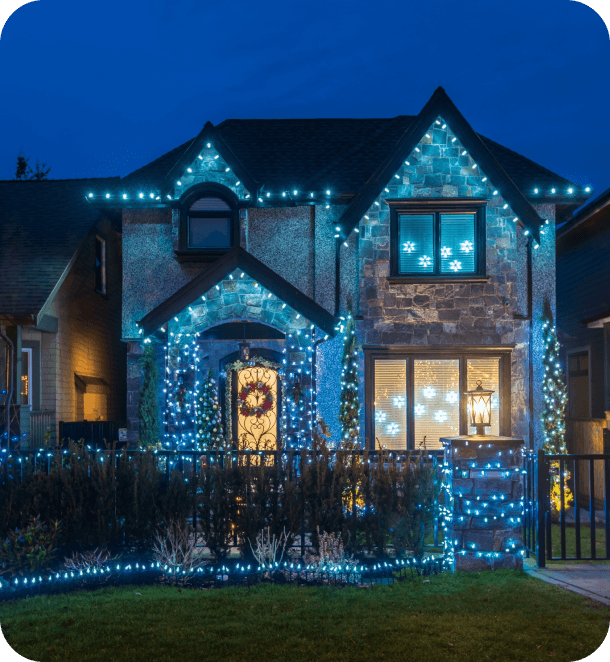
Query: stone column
[484, 501]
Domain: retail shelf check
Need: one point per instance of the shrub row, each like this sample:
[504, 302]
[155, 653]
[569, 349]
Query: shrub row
[120, 502]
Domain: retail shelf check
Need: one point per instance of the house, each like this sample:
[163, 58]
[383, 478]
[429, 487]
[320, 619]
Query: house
[583, 317]
[60, 309]
[246, 248]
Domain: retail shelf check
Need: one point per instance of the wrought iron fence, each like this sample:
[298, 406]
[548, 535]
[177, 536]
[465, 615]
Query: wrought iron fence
[193, 466]
[41, 422]
[548, 480]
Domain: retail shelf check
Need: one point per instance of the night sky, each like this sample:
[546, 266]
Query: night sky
[100, 89]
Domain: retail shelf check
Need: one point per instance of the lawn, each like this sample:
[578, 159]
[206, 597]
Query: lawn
[497, 616]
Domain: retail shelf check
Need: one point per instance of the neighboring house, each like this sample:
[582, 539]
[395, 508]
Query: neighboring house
[255, 237]
[583, 318]
[60, 308]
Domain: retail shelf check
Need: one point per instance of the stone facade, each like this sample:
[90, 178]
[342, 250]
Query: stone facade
[299, 244]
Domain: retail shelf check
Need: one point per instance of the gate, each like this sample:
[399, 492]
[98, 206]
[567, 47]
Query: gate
[588, 479]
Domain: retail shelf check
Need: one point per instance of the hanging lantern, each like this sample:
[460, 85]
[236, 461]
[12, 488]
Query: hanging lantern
[479, 405]
[244, 350]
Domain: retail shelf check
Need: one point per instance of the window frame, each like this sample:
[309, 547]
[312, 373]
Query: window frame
[458, 352]
[578, 351]
[437, 207]
[101, 283]
[186, 253]
[30, 398]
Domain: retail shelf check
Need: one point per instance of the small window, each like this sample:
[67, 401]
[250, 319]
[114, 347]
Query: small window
[443, 239]
[578, 385]
[26, 376]
[209, 225]
[100, 265]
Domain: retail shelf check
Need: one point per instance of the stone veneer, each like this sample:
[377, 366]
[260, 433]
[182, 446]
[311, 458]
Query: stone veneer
[429, 313]
[237, 298]
[484, 501]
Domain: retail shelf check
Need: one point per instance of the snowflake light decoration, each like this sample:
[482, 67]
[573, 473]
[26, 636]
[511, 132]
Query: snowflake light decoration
[440, 416]
[455, 265]
[380, 416]
[425, 261]
[398, 401]
[429, 392]
[409, 247]
[466, 246]
[419, 410]
[445, 251]
[392, 428]
[451, 397]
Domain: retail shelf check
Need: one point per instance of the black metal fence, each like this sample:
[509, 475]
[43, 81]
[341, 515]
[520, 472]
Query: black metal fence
[547, 517]
[94, 433]
[194, 467]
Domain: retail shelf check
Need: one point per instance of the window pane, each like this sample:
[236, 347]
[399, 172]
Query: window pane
[457, 243]
[488, 372]
[578, 385]
[436, 396]
[391, 404]
[26, 372]
[416, 243]
[209, 233]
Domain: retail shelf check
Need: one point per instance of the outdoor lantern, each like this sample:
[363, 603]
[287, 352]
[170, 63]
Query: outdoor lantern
[479, 402]
[244, 350]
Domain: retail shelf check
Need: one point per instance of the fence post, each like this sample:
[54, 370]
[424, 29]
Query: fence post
[542, 488]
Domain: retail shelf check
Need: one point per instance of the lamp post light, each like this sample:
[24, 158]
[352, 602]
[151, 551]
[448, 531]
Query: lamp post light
[479, 406]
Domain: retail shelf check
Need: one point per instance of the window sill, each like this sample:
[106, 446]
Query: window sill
[200, 256]
[424, 280]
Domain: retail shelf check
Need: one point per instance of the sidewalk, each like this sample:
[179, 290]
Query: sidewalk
[588, 579]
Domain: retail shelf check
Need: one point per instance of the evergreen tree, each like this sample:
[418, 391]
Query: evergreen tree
[148, 409]
[23, 170]
[209, 421]
[553, 416]
[349, 410]
[553, 388]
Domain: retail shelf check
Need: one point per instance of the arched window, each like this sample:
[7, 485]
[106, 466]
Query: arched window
[209, 224]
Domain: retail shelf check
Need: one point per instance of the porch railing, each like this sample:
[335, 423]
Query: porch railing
[587, 476]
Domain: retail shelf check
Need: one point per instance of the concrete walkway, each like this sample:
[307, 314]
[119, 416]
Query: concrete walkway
[588, 579]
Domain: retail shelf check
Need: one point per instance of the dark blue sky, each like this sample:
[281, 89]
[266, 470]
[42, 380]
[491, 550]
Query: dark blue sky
[100, 89]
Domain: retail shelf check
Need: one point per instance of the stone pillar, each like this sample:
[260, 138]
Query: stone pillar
[484, 501]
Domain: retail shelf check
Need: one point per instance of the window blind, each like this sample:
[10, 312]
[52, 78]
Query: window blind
[457, 243]
[487, 370]
[390, 404]
[436, 401]
[210, 204]
[416, 243]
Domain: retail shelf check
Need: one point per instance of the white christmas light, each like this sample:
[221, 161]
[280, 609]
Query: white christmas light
[425, 261]
[408, 247]
[445, 251]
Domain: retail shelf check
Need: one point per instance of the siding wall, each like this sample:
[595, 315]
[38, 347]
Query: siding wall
[583, 291]
[88, 338]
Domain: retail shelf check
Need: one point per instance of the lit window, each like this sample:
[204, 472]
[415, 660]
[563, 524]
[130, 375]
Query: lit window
[442, 239]
[414, 402]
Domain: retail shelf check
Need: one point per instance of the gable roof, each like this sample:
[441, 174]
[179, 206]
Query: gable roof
[590, 215]
[162, 173]
[238, 258]
[341, 154]
[441, 105]
[42, 224]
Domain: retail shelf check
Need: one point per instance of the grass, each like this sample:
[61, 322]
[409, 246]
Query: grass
[585, 542]
[499, 616]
